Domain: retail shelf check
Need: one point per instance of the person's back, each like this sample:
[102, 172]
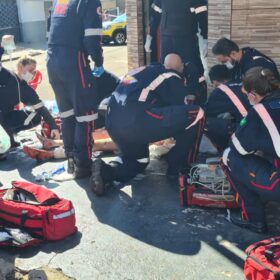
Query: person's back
[66, 24]
[225, 108]
[75, 34]
[144, 84]
[177, 19]
[228, 99]
[148, 106]
[254, 58]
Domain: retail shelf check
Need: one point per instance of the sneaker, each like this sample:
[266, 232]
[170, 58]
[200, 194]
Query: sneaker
[235, 217]
[99, 182]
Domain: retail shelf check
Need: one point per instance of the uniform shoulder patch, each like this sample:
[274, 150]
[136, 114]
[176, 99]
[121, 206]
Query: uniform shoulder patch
[61, 8]
[274, 104]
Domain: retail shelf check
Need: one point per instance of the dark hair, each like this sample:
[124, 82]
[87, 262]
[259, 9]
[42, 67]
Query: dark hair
[224, 47]
[260, 80]
[219, 73]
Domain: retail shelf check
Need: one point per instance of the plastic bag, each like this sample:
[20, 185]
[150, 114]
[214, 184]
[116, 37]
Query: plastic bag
[5, 143]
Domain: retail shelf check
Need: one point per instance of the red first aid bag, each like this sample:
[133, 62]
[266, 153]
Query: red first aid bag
[263, 261]
[37, 210]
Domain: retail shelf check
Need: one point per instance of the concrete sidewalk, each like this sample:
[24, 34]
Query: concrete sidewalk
[115, 61]
[138, 231]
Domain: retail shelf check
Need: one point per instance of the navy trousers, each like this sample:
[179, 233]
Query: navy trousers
[76, 96]
[219, 132]
[256, 180]
[134, 133]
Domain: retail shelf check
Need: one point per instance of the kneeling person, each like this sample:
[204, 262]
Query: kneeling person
[225, 108]
[252, 161]
[148, 106]
[14, 90]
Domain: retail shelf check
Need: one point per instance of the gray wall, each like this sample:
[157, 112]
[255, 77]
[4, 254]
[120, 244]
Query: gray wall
[9, 23]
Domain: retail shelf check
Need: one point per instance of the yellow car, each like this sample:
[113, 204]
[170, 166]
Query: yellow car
[115, 30]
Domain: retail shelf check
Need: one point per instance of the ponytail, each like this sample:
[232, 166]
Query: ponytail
[260, 80]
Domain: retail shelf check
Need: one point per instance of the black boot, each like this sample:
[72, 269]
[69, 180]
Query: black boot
[101, 177]
[14, 143]
[235, 217]
[3, 157]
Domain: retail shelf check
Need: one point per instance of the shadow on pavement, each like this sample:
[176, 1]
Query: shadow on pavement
[149, 211]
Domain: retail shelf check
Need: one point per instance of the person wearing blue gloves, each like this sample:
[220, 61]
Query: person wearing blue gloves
[74, 35]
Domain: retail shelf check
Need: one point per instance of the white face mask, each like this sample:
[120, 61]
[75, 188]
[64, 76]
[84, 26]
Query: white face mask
[27, 76]
[229, 65]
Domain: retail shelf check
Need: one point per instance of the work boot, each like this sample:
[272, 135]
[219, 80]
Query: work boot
[101, 177]
[73, 172]
[235, 217]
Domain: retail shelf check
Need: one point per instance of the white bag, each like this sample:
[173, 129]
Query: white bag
[5, 143]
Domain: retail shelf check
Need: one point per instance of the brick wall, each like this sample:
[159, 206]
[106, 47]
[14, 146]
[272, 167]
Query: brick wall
[135, 33]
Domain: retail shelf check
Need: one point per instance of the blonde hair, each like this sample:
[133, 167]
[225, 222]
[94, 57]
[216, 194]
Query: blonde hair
[26, 60]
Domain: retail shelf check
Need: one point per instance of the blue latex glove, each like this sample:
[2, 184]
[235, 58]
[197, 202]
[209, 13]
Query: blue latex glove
[98, 71]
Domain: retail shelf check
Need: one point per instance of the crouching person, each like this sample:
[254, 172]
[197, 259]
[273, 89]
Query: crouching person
[149, 105]
[252, 161]
[14, 90]
[225, 108]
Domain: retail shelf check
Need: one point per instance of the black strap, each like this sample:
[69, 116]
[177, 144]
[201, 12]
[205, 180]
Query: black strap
[24, 217]
[262, 243]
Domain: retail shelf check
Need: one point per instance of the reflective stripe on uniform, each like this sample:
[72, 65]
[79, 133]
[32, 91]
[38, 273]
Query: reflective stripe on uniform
[201, 9]
[270, 125]
[93, 32]
[225, 156]
[143, 160]
[30, 117]
[64, 215]
[154, 84]
[67, 114]
[199, 116]
[118, 160]
[238, 145]
[156, 8]
[38, 106]
[258, 57]
[87, 118]
[234, 99]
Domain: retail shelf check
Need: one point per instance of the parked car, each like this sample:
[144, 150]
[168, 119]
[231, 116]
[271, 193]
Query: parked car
[115, 30]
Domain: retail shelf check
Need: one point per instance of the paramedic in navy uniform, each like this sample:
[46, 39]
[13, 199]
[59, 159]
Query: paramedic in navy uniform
[149, 105]
[252, 160]
[179, 22]
[239, 61]
[75, 33]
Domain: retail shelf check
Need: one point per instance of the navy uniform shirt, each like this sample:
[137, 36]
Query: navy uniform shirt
[179, 18]
[253, 135]
[252, 58]
[151, 86]
[219, 103]
[77, 24]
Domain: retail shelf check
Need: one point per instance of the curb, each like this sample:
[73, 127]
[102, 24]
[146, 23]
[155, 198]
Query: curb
[16, 56]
